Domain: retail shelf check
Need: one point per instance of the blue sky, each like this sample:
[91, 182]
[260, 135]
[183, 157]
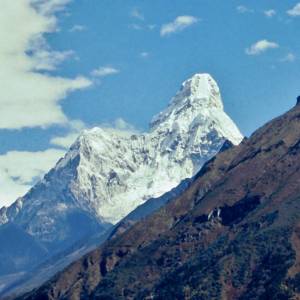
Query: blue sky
[100, 61]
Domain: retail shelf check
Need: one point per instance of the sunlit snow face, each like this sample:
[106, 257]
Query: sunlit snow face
[183, 138]
[107, 174]
[203, 89]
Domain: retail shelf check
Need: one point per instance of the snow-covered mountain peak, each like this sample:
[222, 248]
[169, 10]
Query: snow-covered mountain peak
[107, 172]
[198, 95]
[203, 89]
[197, 105]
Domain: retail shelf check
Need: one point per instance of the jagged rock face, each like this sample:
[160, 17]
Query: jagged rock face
[234, 234]
[117, 172]
[107, 173]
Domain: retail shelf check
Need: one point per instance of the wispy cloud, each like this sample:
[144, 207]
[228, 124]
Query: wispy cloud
[121, 124]
[136, 26]
[295, 11]
[142, 26]
[179, 24]
[140, 23]
[135, 13]
[78, 28]
[260, 47]
[151, 26]
[242, 9]
[104, 71]
[48, 7]
[19, 170]
[65, 141]
[144, 54]
[290, 57]
[270, 13]
[48, 61]
[23, 89]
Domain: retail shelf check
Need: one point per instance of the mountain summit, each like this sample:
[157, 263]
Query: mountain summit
[107, 173]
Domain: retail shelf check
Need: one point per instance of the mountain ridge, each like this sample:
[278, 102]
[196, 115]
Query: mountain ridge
[172, 130]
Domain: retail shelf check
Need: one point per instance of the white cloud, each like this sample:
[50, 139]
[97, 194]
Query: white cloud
[104, 71]
[48, 61]
[20, 169]
[260, 47]
[295, 11]
[270, 13]
[179, 24]
[135, 13]
[244, 9]
[29, 98]
[121, 124]
[78, 28]
[66, 141]
[290, 57]
[48, 7]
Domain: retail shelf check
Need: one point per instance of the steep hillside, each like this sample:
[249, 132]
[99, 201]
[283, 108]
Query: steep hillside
[234, 234]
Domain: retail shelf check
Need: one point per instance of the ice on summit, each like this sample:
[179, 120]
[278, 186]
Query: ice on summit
[106, 174]
[198, 101]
